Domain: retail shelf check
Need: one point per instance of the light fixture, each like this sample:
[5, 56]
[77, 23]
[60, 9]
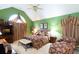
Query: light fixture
[15, 16]
[0, 32]
[18, 19]
[35, 29]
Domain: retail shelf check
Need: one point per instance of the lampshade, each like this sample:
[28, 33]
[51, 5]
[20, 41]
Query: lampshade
[19, 20]
[0, 33]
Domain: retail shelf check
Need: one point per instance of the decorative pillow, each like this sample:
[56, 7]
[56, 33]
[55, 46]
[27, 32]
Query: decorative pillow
[69, 39]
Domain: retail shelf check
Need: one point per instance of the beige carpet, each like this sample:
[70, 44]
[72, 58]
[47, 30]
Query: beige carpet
[21, 50]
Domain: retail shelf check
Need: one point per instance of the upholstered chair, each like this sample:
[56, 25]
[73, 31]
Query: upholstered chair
[64, 46]
[67, 44]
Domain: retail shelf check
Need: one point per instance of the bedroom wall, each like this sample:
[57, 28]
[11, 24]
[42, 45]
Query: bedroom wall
[7, 12]
[53, 22]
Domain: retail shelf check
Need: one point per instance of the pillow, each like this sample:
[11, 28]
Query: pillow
[69, 39]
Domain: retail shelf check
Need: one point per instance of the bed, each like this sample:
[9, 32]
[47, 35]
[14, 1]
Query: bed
[38, 40]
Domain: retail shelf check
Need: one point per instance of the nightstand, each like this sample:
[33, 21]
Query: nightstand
[52, 39]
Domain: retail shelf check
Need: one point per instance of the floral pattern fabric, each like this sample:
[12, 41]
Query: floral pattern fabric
[38, 40]
[62, 47]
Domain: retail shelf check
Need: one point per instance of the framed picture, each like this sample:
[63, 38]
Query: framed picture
[43, 26]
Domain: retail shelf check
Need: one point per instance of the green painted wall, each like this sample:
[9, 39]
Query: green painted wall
[54, 22]
[6, 13]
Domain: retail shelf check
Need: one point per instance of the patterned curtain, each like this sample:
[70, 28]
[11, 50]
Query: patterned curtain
[70, 27]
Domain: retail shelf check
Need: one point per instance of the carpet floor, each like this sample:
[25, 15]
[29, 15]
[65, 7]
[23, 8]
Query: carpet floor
[19, 49]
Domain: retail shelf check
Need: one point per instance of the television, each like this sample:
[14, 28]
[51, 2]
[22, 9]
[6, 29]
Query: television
[7, 30]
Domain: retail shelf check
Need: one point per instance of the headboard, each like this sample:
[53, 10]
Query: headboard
[42, 32]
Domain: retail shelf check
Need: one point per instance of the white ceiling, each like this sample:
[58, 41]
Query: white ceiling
[47, 11]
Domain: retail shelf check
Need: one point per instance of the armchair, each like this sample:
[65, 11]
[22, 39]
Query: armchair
[70, 36]
[64, 46]
[5, 48]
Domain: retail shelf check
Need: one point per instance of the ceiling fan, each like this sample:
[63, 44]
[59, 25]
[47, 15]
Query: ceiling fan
[34, 7]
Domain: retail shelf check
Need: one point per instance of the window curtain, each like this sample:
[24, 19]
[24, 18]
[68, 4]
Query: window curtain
[70, 27]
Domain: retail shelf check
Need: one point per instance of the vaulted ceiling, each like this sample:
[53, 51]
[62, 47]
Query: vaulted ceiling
[44, 10]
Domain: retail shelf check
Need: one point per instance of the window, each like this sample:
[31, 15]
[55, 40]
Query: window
[43, 26]
[15, 16]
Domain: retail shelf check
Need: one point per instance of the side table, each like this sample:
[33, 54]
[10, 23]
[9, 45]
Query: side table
[52, 39]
